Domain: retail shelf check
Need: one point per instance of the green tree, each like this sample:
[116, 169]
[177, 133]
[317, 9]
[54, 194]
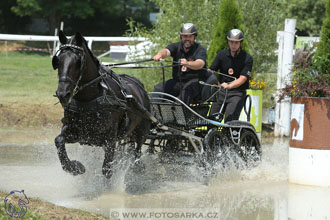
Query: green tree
[9, 22]
[173, 13]
[309, 15]
[262, 20]
[322, 57]
[229, 18]
[56, 11]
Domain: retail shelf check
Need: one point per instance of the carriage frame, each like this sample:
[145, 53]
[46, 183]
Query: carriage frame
[183, 130]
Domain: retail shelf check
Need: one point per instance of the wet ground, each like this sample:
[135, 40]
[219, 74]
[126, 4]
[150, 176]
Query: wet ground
[28, 161]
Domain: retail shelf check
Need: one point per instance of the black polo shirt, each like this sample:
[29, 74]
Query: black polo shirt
[197, 51]
[240, 65]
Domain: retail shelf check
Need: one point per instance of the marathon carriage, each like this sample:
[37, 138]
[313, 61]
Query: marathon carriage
[183, 130]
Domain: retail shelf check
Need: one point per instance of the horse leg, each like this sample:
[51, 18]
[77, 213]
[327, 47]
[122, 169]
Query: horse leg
[108, 160]
[74, 167]
[138, 165]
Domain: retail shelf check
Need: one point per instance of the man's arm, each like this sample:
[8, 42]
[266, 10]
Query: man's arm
[237, 83]
[162, 54]
[194, 65]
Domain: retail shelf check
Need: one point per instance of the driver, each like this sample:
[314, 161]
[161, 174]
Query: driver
[192, 57]
[237, 63]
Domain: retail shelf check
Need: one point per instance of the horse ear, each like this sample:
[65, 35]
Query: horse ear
[79, 39]
[62, 37]
[55, 62]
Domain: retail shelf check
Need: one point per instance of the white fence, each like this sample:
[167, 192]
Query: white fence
[90, 40]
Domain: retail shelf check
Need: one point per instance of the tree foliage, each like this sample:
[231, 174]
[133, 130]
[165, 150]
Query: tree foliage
[229, 18]
[323, 48]
[173, 13]
[9, 22]
[308, 13]
[59, 10]
[262, 19]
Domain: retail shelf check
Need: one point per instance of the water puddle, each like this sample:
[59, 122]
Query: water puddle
[28, 161]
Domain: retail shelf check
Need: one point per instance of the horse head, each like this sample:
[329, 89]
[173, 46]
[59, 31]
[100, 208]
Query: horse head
[71, 62]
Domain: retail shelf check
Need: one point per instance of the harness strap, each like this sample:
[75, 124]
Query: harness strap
[108, 72]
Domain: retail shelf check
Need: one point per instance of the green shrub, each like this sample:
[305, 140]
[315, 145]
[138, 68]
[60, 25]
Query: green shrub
[229, 18]
[322, 56]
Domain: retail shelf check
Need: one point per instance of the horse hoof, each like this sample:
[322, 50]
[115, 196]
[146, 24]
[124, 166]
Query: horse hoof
[74, 167]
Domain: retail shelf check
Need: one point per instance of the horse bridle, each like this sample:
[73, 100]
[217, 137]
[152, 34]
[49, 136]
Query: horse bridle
[77, 88]
[82, 66]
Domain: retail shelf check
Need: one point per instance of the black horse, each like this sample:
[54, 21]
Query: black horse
[100, 107]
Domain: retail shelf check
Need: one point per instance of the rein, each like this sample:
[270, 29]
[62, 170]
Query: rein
[102, 75]
[175, 63]
[133, 62]
[120, 65]
[212, 71]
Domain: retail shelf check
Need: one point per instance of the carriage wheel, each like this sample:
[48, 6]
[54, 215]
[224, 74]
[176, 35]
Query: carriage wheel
[249, 149]
[217, 147]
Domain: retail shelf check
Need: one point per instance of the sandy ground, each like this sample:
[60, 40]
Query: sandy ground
[30, 115]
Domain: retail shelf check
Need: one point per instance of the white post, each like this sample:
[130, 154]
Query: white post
[62, 26]
[285, 58]
[54, 45]
[6, 46]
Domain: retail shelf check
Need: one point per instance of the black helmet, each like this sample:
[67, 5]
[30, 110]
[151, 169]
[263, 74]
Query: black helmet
[235, 35]
[188, 29]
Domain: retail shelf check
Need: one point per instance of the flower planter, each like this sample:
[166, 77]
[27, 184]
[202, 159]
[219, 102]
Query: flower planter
[309, 152]
[310, 123]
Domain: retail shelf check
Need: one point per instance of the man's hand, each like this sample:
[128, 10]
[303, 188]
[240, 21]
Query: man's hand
[162, 54]
[225, 85]
[157, 57]
[184, 63]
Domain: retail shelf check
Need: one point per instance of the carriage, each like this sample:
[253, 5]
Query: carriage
[102, 109]
[186, 131]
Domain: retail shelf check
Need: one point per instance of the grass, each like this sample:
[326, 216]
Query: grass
[26, 78]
